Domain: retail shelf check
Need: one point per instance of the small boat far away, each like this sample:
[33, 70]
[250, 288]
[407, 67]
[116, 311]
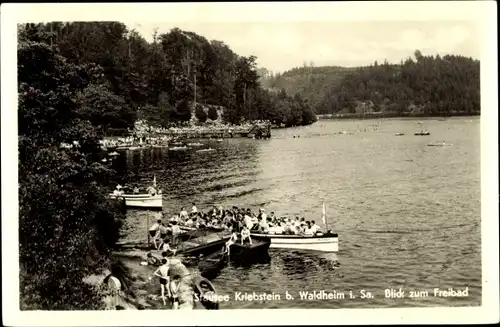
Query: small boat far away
[422, 133]
[206, 150]
[439, 144]
[399, 134]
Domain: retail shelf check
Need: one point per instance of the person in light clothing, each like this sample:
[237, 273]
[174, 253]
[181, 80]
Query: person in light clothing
[176, 231]
[278, 229]
[118, 191]
[315, 228]
[245, 234]
[184, 214]
[231, 241]
[194, 209]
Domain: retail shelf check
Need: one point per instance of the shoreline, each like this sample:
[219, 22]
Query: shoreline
[390, 115]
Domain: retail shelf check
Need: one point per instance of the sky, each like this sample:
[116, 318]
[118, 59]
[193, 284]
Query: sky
[284, 45]
[283, 35]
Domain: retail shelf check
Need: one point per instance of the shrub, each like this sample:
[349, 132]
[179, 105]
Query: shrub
[212, 113]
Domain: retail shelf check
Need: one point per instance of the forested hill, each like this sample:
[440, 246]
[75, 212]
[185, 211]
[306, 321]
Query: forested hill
[425, 85]
[165, 81]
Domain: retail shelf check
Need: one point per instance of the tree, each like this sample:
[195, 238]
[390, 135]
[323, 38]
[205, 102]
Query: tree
[183, 112]
[200, 113]
[68, 232]
[212, 113]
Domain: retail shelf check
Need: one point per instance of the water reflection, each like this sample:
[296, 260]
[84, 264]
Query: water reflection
[388, 198]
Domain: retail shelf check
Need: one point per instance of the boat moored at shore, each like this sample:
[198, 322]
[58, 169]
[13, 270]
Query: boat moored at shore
[141, 200]
[328, 242]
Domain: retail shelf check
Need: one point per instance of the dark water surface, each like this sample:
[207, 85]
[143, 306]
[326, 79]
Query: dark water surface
[408, 215]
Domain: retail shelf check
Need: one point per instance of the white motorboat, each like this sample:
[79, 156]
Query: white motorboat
[328, 242]
[324, 242]
[141, 200]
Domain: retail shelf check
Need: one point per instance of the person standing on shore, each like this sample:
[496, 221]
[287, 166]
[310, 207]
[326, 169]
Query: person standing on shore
[176, 231]
[154, 231]
[162, 272]
[163, 234]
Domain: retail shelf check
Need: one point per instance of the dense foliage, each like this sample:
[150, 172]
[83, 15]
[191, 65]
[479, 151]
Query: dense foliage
[428, 85]
[66, 227]
[163, 80]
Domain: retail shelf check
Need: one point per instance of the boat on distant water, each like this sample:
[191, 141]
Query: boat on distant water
[439, 144]
[206, 150]
[195, 144]
[399, 134]
[422, 133]
[177, 148]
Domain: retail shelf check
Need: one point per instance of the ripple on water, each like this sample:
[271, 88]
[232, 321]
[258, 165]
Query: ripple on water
[407, 215]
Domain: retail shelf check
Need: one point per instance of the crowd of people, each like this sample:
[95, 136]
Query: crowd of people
[237, 220]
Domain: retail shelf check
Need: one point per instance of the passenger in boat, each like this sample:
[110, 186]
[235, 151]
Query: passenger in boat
[222, 213]
[296, 223]
[151, 190]
[263, 214]
[247, 220]
[303, 226]
[136, 189]
[245, 234]
[194, 209]
[315, 228]
[272, 218]
[213, 212]
[118, 191]
[263, 225]
[162, 272]
[288, 229]
[308, 231]
[231, 241]
[277, 229]
[189, 222]
[184, 214]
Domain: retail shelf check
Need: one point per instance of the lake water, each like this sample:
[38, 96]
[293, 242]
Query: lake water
[408, 215]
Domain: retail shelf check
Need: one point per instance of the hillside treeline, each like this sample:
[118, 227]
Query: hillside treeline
[162, 81]
[426, 85]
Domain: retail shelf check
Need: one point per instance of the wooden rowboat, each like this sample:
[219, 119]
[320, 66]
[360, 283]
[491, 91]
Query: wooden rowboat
[211, 266]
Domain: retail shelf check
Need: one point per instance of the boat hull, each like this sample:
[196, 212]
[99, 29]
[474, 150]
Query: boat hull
[325, 243]
[142, 201]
